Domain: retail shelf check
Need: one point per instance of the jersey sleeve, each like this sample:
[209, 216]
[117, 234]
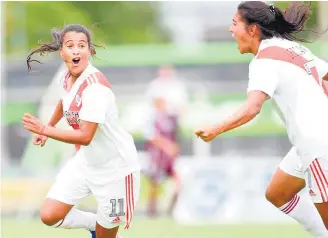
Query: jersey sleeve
[322, 67]
[263, 76]
[97, 101]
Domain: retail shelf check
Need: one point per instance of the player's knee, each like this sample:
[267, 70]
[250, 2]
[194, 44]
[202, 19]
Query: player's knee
[273, 196]
[50, 217]
[270, 195]
[277, 197]
[106, 233]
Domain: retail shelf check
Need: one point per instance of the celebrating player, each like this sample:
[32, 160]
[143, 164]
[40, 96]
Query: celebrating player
[290, 74]
[106, 163]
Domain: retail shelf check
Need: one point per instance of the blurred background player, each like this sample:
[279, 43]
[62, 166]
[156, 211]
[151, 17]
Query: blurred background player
[106, 164]
[173, 90]
[289, 73]
[167, 96]
[163, 149]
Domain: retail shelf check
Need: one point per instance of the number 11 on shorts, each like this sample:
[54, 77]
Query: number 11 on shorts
[120, 203]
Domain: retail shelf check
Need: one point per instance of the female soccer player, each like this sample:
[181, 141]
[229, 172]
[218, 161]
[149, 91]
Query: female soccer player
[106, 163]
[291, 75]
[163, 149]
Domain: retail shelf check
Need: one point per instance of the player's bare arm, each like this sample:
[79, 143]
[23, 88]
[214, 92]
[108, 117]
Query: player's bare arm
[168, 146]
[57, 115]
[82, 136]
[55, 118]
[245, 114]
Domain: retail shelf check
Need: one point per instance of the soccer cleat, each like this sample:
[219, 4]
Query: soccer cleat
[93, 234]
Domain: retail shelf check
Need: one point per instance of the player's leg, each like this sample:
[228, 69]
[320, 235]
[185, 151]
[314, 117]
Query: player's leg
[172, 173]
[317, 180]
[283, 192]
[153, 174]
[69, 189]
[152, 197]
[323, 211]
[116, 204]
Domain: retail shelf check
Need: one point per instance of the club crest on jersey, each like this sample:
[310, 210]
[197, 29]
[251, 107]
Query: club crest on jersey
[72, 117]
[78, 100]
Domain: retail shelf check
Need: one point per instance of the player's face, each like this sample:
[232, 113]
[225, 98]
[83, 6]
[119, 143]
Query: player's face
[242, 33]
[75, 52]
[166, 72]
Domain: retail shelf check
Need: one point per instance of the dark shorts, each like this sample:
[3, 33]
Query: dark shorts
[159, 166]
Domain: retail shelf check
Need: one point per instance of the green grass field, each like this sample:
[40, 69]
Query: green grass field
[158, 228]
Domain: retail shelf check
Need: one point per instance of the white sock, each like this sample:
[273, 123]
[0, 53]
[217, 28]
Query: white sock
[78, 219]
[302, 209]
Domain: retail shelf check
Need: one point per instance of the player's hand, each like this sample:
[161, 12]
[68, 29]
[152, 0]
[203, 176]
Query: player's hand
[207, 134]
[32, 123]
[40, 140]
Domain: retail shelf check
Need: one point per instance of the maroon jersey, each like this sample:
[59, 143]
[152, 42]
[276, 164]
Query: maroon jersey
[160, 164]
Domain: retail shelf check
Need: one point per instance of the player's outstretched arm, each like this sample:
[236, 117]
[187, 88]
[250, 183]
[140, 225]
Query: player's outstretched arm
[245, 114]
[82, 136]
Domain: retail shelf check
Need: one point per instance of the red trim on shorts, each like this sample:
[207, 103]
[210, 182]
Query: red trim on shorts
[319, 182]
[129, 200]
[316, 161]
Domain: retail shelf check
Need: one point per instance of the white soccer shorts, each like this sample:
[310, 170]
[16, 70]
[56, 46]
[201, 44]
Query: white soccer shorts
[316, 175]
[116, 200]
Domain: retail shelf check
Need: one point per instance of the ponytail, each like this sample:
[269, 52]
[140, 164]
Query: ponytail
[55, 45]
[272, 22]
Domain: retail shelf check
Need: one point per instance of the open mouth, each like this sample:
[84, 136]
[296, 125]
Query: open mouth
[76, 61]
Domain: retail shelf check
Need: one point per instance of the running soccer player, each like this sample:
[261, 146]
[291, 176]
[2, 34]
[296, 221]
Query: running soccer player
[106, 163]
[290, 74]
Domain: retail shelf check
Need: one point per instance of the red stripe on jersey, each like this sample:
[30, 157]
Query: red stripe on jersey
[66, 80]
[75, 107]
[101, 79]
[324, 87]
[76, 103]
[282, 54]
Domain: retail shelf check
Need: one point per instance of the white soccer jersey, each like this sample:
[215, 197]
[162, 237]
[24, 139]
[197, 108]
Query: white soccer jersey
[112, 148]
[291, 75]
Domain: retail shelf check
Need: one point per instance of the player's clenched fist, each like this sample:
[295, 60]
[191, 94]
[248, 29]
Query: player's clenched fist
[40, 140]
[207, 134]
